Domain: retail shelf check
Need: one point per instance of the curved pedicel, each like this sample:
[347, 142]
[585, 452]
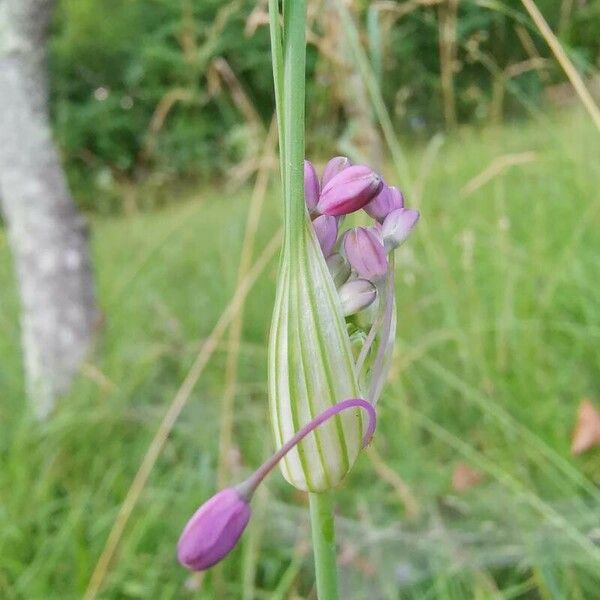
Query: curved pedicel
[217, 525]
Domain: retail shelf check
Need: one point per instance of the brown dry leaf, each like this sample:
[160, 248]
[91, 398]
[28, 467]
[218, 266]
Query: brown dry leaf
[586, 434]
[465, 477]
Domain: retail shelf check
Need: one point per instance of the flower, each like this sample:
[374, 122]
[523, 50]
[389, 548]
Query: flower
[326, 229]
[336, 165]
[213, 530]
[216, 527]
[366, 254]
[397, 227]
[312, 189]
[388, 199]
[356, 295]
[349, 191]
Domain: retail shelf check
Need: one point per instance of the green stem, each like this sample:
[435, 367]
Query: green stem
[323, 537]
[294, 74]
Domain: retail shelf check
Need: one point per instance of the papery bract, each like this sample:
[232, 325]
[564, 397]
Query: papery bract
[311, 367]
[366, 254]
[349, 191]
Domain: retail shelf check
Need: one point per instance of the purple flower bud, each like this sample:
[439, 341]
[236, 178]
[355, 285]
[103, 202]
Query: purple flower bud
[312, 189]
[366, 254]
[397, 226]
[349, 191]
[336, 165]
[388, 199]
[326, 229]
[356, 295]
[339, 268]
[213, 530]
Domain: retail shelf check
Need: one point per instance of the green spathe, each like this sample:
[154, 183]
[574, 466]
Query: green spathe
[311, 367]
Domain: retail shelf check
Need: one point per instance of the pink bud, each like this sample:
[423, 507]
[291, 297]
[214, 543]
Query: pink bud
[213, 530]
[312, 189]
[356, 295]
[336, 165]
[366, 254]
[397, 227]
[388, 199]
[326, 228]
[349, 191]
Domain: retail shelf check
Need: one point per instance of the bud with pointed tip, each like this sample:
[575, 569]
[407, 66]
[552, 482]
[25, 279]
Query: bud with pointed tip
[336, 165]
[312, 189]
[356, 295]
[366, 254]
[388, 199]
[349, 191]
[213, 530]
[326, 228]
[339, 268]
[397, 227]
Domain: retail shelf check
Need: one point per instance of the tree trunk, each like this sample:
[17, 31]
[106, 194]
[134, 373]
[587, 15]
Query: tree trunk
[47, 235]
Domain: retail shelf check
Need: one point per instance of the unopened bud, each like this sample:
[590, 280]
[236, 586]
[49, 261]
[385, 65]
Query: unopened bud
[397, 227]
[326, 228]
[339, 268]
[356, 295]
[388, 199]
[349, 191]
[333, 167]
[213, 530]
[312, 189]
[366, 254]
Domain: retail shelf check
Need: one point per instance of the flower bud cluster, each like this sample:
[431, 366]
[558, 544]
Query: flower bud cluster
[358, 258]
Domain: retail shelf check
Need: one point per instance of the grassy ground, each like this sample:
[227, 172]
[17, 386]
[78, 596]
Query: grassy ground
[499, 340]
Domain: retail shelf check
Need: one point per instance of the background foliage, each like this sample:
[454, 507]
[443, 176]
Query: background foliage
[164, 91]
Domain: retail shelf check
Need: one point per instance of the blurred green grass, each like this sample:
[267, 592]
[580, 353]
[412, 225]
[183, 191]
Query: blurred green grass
[498, 325]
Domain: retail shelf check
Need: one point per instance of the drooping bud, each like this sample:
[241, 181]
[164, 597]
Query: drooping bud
[312, 189]
[397, 227]
[336, 165]
[356, 295]
[326, 228]
[213, 530]
[339, 268]
[366, 254]
[349, 191]
[388, 199]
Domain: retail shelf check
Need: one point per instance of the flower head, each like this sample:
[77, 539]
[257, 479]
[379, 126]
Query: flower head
[312, 188]
[397, 227]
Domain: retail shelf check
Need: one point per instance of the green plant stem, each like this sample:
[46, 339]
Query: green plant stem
[323, 537]
[294, 74]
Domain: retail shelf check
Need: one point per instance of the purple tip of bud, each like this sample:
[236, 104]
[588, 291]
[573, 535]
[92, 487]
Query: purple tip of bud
[397, 227]
[213, 530]
[356, 295]
[349, 191]
[312, 189]
[366, 253]
[388, 199]
[336, 165]
[326, 228]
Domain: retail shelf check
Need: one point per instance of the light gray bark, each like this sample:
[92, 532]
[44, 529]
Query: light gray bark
[47, 235]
